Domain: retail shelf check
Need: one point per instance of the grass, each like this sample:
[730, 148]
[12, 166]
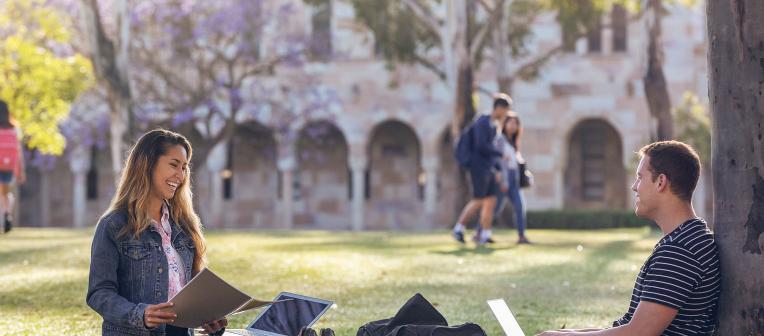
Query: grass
[572, 278]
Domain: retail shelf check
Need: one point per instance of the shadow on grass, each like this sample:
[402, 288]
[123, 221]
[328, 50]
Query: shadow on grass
[344, 241]
[48, 295]
[477, 250]
[43, 255]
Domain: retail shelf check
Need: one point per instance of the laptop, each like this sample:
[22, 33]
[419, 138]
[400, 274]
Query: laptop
[286, 317]
[505, 317]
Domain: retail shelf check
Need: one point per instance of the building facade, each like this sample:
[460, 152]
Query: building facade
[384, 159]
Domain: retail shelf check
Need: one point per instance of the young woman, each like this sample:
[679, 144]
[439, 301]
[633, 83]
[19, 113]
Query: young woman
[11, 164]
[149, 242]
[510, 144]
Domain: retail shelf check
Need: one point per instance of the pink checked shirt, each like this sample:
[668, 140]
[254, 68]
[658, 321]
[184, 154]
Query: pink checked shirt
[175, 270]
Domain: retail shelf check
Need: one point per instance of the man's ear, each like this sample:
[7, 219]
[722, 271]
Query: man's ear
[663, 183]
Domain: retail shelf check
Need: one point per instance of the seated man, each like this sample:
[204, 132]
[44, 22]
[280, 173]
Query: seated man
[677, 289]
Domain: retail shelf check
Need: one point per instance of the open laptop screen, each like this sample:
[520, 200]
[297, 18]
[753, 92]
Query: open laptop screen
[288, 317]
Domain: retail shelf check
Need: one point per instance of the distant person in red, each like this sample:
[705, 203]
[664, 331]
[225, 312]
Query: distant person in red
[11, 164]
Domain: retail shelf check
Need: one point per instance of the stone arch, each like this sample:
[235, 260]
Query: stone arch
[594, 174]
[322, 177]
[394, 184]
[251, 178]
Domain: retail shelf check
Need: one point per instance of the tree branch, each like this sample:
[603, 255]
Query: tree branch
[430, 66]
[477, 42]
[527, 69]
[420, 12]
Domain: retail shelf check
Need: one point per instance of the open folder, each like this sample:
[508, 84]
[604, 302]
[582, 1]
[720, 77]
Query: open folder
[206, 298]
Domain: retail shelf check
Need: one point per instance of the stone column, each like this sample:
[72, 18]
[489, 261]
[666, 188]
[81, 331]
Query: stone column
[357, 166]
[79, 163]
[286, 166]
[430, 166]
[606, 35]
[216, 162]
[44, 197]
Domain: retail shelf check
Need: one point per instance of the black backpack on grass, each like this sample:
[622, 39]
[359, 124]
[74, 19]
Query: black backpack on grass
[418, 317]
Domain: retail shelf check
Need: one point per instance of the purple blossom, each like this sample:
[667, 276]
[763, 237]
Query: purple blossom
[183, 117]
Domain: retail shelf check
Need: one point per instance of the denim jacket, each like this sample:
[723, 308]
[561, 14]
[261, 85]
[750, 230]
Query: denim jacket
[128, 273]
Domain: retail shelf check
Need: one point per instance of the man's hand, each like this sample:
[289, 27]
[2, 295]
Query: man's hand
[214, 326]
[153, 316]
[22, 178]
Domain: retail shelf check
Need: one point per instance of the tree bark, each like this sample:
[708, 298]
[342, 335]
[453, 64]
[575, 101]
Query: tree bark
[110, 62]
[464, 110]
[504, 77]
[654, 81]
[736, 93]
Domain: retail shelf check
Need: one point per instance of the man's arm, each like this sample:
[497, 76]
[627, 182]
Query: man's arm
[649, 319]
[484, 134]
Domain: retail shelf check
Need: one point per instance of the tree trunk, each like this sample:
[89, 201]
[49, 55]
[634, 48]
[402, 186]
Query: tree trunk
[120, 109]
[504, 78]
[464, 110]
[110, 62]
[464, 113]
[736, 93]
[654, 81]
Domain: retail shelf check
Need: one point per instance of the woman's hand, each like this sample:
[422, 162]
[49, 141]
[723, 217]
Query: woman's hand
[153, 316]
[214, 326]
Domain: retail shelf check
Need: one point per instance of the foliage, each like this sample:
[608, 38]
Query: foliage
[693, 125]
[402, 37]
[39, 72]
[399, 36]
[584, 219]
[368, 275]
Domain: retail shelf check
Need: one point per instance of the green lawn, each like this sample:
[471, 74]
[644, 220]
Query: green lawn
[575, 278]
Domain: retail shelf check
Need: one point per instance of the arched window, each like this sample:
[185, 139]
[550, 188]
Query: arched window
[595, 176]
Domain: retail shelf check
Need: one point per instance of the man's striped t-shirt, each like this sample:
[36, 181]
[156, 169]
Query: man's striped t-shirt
[682, 273]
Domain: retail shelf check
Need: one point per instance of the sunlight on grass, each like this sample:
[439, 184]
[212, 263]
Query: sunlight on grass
[577, 278]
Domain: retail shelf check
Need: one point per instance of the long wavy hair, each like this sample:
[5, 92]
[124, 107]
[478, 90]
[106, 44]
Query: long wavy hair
[514, 139]
[5, 116]
[134, 191]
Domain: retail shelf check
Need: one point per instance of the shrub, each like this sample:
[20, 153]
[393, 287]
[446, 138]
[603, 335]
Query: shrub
[584, 219]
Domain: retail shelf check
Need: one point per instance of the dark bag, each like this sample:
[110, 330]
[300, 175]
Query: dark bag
[526, 177]
[310, 332]
[418, 317]
[464, 147]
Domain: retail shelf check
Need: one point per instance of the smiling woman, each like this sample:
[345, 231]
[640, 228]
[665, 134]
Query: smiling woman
[149, 243]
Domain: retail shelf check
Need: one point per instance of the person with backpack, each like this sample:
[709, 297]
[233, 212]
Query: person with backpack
[11, 165]
[477, 152]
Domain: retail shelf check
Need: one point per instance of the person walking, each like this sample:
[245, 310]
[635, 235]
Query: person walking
[11, 165]
[509, 142]
[483, 165]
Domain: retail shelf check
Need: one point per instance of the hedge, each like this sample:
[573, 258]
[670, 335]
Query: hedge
[583, 219]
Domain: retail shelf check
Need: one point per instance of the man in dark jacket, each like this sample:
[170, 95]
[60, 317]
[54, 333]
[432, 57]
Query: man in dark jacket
[484, 171]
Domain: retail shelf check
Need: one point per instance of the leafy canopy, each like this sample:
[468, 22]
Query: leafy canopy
[40, 74]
